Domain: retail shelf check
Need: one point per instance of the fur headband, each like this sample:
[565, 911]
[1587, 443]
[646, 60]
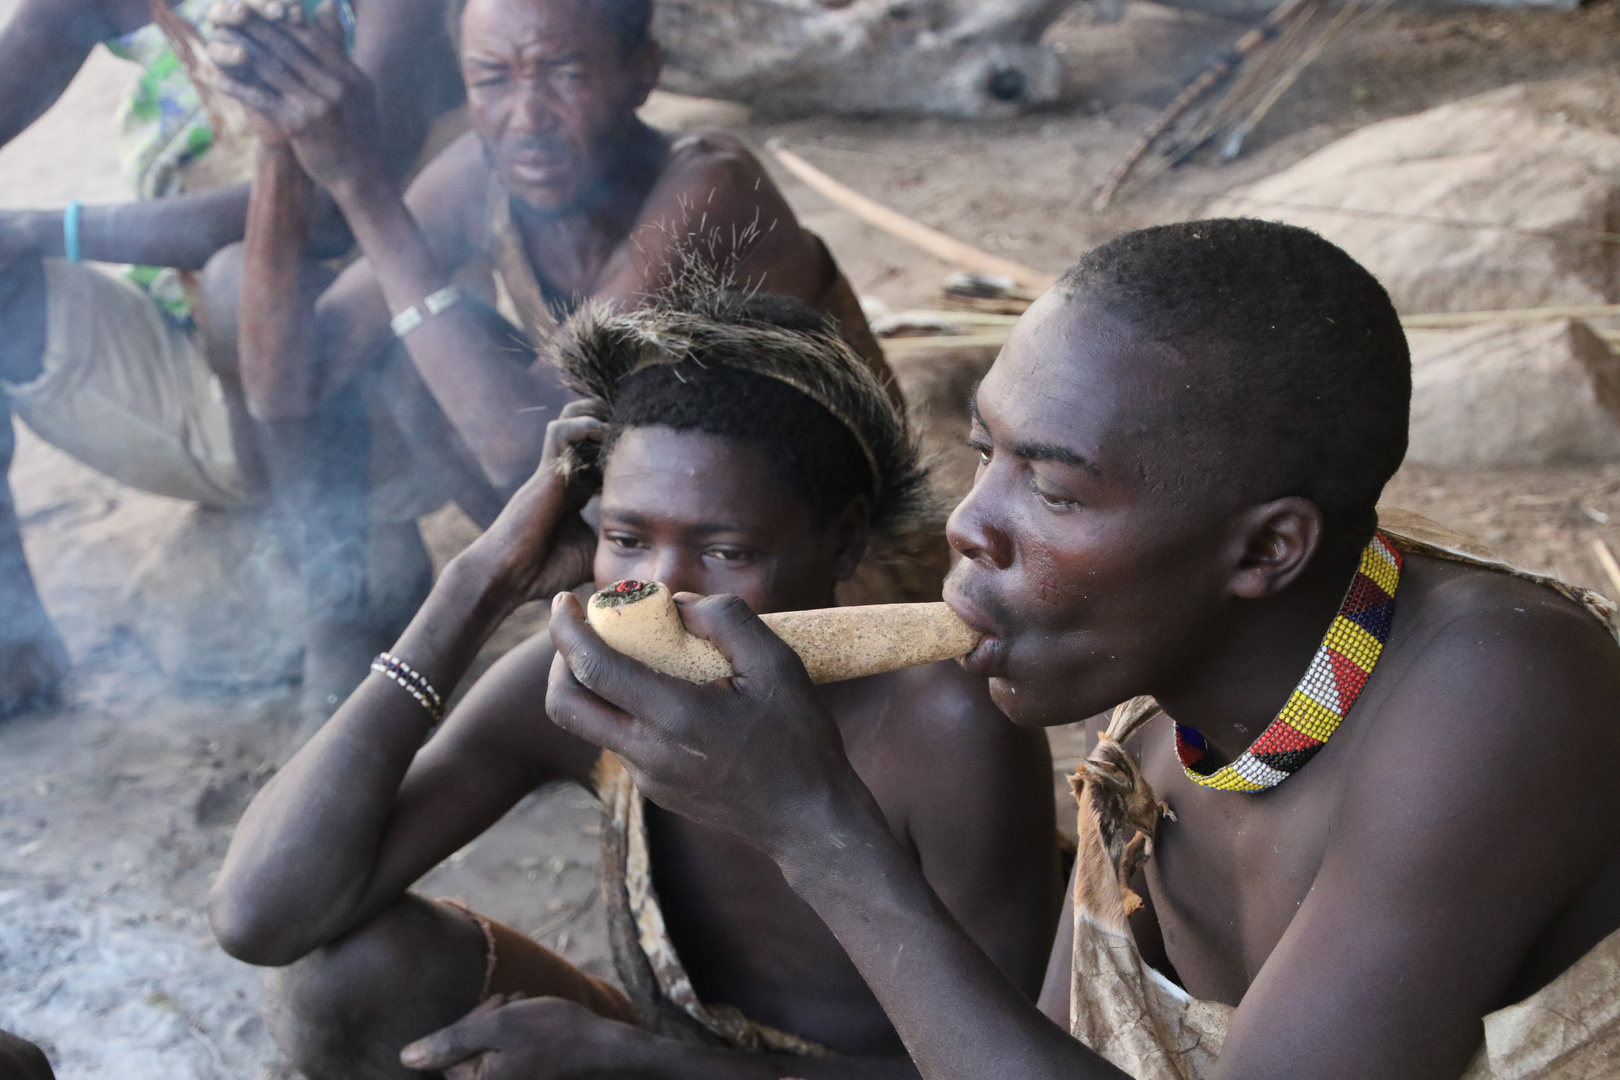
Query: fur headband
[597, 350]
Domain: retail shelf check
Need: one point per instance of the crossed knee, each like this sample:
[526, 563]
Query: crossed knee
[219, 316]
[219, 292]
[346, 1009]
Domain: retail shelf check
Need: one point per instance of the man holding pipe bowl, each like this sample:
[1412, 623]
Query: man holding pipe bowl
[1363, 829]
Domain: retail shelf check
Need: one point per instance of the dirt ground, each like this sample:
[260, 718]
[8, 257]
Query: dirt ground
[116, 807]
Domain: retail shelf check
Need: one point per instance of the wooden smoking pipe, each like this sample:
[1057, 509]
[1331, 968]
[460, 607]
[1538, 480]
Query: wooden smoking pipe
[639, 619]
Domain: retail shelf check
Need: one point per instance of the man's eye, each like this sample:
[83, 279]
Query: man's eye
[982, 450]
[624, 543]
[729, 555]
[1053, 502]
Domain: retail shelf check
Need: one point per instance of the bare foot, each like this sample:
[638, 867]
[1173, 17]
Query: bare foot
[32, 656]
[22, 1060]
[31, 673]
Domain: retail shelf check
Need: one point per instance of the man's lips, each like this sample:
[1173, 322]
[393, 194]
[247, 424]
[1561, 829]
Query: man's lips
[988, 659]
[538, 164]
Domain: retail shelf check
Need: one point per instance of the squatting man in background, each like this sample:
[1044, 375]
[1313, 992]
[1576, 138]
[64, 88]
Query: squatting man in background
[719, 472]
[559, 185]
[558, 195]
[115, 367]
[1391, 772]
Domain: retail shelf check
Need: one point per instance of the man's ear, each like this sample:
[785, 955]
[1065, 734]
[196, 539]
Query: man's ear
[848, 534]
[1277, 541]
[646, 66]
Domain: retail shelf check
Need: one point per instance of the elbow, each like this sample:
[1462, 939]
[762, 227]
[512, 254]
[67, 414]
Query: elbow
[247, 933]
[280, 408]
[276, 392]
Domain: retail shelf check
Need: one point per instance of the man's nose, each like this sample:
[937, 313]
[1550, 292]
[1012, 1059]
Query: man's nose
[974, 532]
[666, 566]
[536, 112]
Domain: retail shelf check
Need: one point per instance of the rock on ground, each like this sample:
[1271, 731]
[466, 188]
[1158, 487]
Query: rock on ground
[1525, 394]
[217, 602]
[965, 58]
[1530, 157]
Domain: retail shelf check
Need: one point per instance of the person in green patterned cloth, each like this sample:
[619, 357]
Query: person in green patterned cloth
[170, 141]
[114, 366]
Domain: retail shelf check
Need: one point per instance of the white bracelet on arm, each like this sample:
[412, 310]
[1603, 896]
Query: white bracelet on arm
[415, 315]
[413, 682]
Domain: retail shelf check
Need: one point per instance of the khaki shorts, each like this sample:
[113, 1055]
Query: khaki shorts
[127, 392]
[130, 394]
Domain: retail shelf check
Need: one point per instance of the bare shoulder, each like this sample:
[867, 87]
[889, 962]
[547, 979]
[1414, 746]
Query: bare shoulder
[1508, 666]
[719, 151]
[1487, 757]
[716, 172]
[941, 721]
[1490, 639]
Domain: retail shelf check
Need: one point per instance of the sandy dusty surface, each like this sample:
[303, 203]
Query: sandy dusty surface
[115, 809]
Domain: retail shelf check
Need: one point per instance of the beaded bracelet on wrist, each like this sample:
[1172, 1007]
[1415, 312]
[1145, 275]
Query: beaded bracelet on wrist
[412, 682]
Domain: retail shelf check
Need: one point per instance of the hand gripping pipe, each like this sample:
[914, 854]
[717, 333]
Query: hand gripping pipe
[639, 619]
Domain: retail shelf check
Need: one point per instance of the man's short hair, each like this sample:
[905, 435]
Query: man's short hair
[629, 20]
[1301, 381]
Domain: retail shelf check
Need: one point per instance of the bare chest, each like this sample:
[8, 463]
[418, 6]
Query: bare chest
[746, 939]
[1229, 874]
[570, 266]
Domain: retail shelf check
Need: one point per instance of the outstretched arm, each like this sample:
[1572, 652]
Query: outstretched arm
[401, 45]
[358, 814]
[42, 48]
[182, 231]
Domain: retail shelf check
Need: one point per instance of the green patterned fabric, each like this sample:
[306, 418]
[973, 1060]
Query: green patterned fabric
[164, 126]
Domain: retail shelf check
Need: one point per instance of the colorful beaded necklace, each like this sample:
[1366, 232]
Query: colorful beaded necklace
[1331, 685]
